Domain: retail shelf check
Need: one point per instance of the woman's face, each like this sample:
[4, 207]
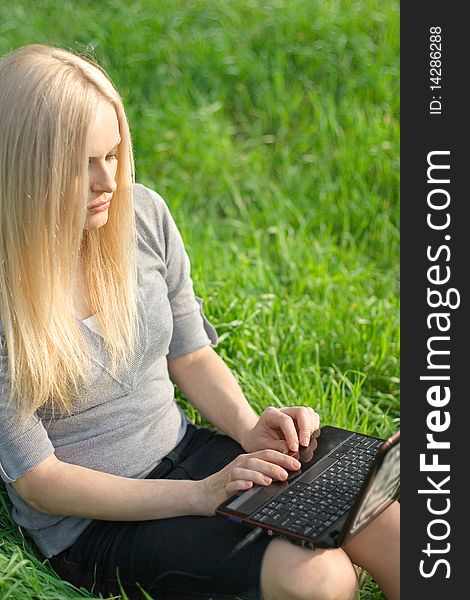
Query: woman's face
[102, 142]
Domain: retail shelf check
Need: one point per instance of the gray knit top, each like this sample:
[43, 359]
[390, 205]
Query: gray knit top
[123, 425]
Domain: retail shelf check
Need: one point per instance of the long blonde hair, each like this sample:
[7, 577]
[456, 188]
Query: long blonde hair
[48, 101]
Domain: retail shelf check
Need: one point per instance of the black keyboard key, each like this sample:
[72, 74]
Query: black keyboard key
[285, 522]
[335, 469]
[343, 510]
[354, 452]
[280, 516]
[376, 444]
[337, 454]
[264, 519]
[366, 443]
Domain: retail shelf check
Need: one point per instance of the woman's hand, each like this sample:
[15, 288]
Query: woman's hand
[283, 429]
[241, 474]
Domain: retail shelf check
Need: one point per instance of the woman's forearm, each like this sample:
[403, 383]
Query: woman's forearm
[60, 488]
[211, 387]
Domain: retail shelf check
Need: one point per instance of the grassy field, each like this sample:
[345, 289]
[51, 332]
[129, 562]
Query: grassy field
[271, 128]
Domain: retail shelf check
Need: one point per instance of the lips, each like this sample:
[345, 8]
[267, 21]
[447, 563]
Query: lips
[98, 204]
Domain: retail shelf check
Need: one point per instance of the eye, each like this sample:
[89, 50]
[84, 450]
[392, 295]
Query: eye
[109, 158]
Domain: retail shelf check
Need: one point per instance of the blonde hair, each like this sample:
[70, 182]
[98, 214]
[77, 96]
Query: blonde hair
[48, 101]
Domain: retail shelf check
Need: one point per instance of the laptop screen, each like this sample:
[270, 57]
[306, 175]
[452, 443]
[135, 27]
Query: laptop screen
[381, 489]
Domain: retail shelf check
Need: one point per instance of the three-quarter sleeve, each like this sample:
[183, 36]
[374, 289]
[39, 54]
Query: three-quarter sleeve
[191, 328]
[23, 444]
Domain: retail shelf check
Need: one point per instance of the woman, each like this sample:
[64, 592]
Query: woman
[98, 320]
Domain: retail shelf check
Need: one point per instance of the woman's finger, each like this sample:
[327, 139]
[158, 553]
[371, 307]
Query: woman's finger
[307, 421]
[280, 446]
[271, 457]
[306, 454]
[241, 473]
[275, 419]
[267, 468]
[237, 486]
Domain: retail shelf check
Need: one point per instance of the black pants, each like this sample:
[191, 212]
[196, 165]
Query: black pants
[178, 558]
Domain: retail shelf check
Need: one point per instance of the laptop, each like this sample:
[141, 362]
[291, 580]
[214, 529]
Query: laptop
[347, 481]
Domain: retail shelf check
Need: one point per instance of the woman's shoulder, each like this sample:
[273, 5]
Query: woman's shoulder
[154, 222]
[148, 202]
[151, 214]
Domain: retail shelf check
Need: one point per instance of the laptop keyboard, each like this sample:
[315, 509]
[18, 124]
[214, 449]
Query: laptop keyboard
[310, 508]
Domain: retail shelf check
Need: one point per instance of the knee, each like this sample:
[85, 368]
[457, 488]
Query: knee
[334, 578]
[304, 574]
[339, 581]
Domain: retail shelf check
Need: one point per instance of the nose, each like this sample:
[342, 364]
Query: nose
[102, 180]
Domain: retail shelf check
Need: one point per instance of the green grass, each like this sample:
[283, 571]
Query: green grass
[272, 130]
